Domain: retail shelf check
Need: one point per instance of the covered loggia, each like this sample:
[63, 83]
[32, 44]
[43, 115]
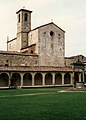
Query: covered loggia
[27, 79]
[58, 79]
[15, 80]
[38, 79]
[48, 79]
[4, 80]
[67, 78]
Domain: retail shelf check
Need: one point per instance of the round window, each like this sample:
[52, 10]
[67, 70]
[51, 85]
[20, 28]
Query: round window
[51, 33]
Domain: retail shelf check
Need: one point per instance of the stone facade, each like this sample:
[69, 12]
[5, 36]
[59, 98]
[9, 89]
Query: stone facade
[51, 47]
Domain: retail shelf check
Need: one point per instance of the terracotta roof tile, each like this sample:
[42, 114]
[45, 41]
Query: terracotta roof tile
[37, 68]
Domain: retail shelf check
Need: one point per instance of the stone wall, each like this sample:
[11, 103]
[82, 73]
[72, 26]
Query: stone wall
[17, 59]
[33, 39]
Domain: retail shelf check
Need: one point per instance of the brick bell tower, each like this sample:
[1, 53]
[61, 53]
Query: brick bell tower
[23, 27]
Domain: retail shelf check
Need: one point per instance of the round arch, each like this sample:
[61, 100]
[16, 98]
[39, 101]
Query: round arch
[38, 79]
[67, 78]
[4, 80]
[27, 79]
[15, 80]
[48, 79]
[58, 79]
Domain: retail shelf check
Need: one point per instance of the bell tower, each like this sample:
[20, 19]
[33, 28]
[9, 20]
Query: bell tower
[23, 27]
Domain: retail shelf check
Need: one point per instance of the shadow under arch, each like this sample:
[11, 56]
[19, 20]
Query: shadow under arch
[76, 77]
[58, 79]
[15, 80]
[38, 79]
[48, 79]
[27, 79]
[4, 80]
[67, 78]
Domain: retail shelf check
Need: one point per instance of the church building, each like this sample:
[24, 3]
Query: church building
[36, 57]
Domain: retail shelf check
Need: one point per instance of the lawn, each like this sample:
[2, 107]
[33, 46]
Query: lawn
[42, 104]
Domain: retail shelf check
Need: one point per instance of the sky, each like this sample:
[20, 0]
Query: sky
[70, 15]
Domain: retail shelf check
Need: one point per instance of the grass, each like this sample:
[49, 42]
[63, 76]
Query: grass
[29, 91]
[48, 106]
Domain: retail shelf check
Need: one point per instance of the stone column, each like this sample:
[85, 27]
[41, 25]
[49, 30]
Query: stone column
[9, 82]
[83, 76]
[33, 74]
[63, 78]
[79, 77]
[53, 80]
[43, 80]
[72, 78]
[22, 80]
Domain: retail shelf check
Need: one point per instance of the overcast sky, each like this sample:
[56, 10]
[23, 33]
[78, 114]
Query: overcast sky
[70, 15]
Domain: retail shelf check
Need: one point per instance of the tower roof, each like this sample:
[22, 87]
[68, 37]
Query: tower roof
[23, 10]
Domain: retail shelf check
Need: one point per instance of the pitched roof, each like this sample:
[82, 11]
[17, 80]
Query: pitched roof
[11, 40]
[72, 57]
[28, 46]
[46, 25]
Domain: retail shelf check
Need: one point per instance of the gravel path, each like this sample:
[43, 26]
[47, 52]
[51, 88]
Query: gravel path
[27, 94]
